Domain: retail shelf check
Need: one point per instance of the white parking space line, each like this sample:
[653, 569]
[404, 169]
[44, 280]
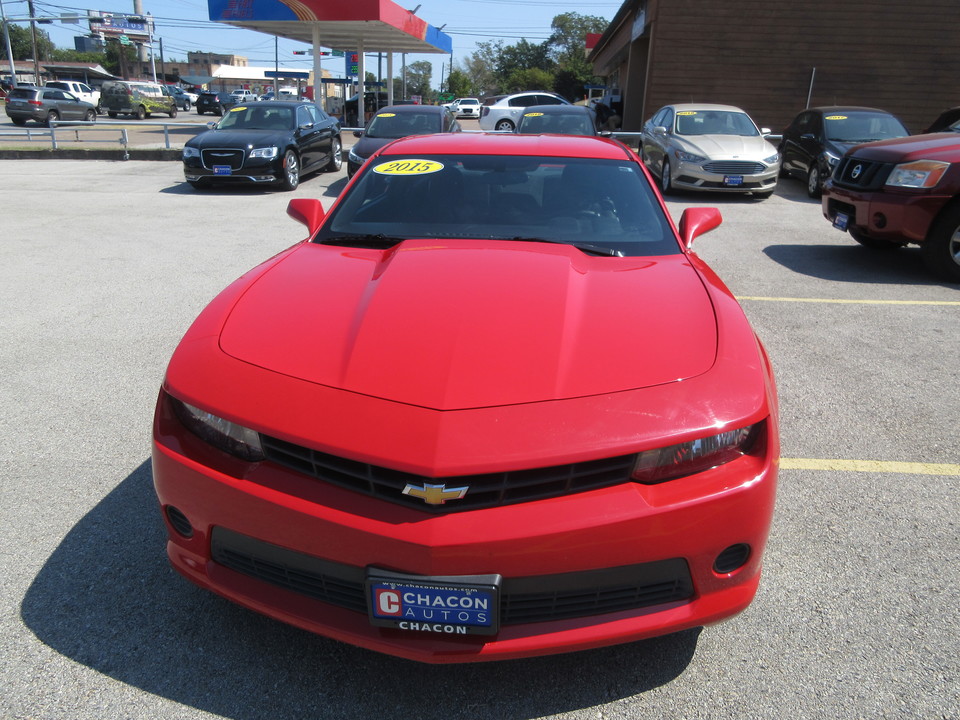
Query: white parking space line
[841, 301]
[871, 466]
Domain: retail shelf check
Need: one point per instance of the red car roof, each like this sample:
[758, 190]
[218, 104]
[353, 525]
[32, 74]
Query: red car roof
[510, 144]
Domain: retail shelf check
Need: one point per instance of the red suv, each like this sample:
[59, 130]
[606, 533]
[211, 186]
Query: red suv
[901, 191]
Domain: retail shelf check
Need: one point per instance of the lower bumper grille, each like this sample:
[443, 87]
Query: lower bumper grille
[533, 599]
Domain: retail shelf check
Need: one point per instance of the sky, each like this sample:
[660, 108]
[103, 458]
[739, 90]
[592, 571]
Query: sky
[184, 26]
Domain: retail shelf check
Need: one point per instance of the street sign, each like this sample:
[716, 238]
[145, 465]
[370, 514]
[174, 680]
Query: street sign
[124, 40]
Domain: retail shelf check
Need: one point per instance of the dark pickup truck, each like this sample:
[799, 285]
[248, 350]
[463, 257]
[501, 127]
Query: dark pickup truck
[891, 193]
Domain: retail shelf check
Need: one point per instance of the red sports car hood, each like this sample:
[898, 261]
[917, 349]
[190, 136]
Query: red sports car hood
[474, 323]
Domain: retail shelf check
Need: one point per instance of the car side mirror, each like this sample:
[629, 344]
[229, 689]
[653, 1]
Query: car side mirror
[697, 221]
[308, 211]
[659, 130]
[358, 133]
[765, 131]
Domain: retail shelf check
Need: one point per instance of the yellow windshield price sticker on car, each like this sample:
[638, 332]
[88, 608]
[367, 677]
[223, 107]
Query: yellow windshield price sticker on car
[387, 115]
[836, 117]
[533, 115]
[239, 109]
[408, 167]
[687, 112]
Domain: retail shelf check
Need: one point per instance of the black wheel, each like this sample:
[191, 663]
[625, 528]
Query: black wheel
[141, 112]
[941, 250]
[814, 188]
[90, 116]
[872, 243]
[291, 171]
[52, 117]
[199, 111]
[336, 157]
[187, 106]
[504, 125]
[219, 110]
[666, 182]
[19, 121]
[173, 112]
[111, 113]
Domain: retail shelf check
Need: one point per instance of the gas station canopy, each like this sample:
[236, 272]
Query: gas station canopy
[374, 25]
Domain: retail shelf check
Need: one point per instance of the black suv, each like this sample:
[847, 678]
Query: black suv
[212, 101]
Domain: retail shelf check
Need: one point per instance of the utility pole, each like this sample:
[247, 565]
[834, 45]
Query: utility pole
[6, 37]
[33, 41]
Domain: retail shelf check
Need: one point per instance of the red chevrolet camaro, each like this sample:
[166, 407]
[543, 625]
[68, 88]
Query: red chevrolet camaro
[492, 407]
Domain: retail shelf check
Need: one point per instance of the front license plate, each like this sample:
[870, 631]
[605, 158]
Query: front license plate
[841, 221]
[446, 605]
[733, 180]
[222, 170]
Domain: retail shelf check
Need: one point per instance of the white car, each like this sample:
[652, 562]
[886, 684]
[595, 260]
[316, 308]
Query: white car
[502, 112]
[466, 107]
[243, 96]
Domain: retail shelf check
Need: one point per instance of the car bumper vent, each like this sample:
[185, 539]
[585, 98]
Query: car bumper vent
[540, 598]
[734, 168]
[486, 490]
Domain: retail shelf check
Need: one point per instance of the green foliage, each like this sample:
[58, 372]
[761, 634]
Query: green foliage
[418, 78]
[459, 84]
[559, 64]
[21, 43]
[75, 56]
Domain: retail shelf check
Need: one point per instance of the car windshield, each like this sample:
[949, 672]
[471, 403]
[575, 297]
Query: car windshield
[398, 125]
[955, 127]
[715, 122]
[254, 117]
[604, 207]
[558, 123]
[862, 127]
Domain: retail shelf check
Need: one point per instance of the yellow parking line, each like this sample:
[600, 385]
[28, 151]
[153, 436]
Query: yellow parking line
[872, 466]
[838, 301]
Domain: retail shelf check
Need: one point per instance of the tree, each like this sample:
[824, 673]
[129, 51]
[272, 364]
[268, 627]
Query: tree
[21, 43]
[529, 79]
[568, 41]
[459, 84]
[418, 78]
[76, 56]
[480, 67]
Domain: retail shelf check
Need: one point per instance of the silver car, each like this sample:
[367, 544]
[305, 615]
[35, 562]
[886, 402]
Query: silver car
[709, 147]
[502, 112]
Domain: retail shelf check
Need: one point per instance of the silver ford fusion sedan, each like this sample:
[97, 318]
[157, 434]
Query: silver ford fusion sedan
[709, 147]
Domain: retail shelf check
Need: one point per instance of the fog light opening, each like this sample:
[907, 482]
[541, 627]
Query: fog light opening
[179, 522]
[733, 558]
[879, 220]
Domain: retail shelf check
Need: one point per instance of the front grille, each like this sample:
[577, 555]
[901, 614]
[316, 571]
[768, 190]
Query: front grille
[852, 172]
[539, 598]
[222, 156]
[484, 491]
[734, 167]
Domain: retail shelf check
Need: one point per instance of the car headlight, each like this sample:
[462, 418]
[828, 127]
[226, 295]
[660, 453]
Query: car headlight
[234, 439]
[189, 152]
[667, 463]
[689, 157]
[268, 152]
[773, 159]
[354, 158]
[831, 159]
[919, 174]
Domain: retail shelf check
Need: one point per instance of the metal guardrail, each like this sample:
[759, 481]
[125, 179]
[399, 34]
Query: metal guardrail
[58, 128]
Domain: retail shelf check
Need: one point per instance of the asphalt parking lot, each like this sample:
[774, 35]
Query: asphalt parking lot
[105, 264]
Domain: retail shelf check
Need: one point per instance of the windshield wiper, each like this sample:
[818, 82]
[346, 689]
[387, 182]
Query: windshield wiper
[588, 248]
[376, 241]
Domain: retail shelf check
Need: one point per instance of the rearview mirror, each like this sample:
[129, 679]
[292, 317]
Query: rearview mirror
[697, 221]
[308, 211]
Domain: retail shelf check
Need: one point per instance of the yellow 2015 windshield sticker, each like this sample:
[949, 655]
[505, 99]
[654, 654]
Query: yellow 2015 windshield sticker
[836, 117]
[239, 109]
[533, 114]
[387, 115]
[408, 167]
[687, 112]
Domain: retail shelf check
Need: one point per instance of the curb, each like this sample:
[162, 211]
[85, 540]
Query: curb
[170, 154]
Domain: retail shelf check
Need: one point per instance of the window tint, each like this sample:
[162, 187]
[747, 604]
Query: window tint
[547, 100]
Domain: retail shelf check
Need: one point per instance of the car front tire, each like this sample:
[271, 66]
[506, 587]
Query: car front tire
[336, 157]
[291, 171]
[941, 251]
[141, 112]
[666, 182]
[813, 182]
[90, 116]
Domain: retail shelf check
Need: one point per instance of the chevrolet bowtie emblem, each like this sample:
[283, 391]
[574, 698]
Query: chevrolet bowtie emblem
[435, 494]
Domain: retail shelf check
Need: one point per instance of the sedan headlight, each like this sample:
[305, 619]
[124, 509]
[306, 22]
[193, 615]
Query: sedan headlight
[919, 174]
[831, 159]
[268, 152]
[189, 152]
[354, 158]
[773, 159]
[234, 439]
[689, 157]
[667, 463]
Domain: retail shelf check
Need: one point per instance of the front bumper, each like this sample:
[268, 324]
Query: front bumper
[897, 216]
[692, 176]
[253, 170]
[286, 524]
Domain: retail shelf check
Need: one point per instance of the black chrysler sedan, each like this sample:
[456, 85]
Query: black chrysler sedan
[272, 143]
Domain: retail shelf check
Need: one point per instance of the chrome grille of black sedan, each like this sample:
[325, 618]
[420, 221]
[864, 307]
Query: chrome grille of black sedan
[734, 167]
[486, 490]
[222, 156]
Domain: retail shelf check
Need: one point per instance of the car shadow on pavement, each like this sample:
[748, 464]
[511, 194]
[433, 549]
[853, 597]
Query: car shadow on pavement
[106, 598]
[856, 264]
